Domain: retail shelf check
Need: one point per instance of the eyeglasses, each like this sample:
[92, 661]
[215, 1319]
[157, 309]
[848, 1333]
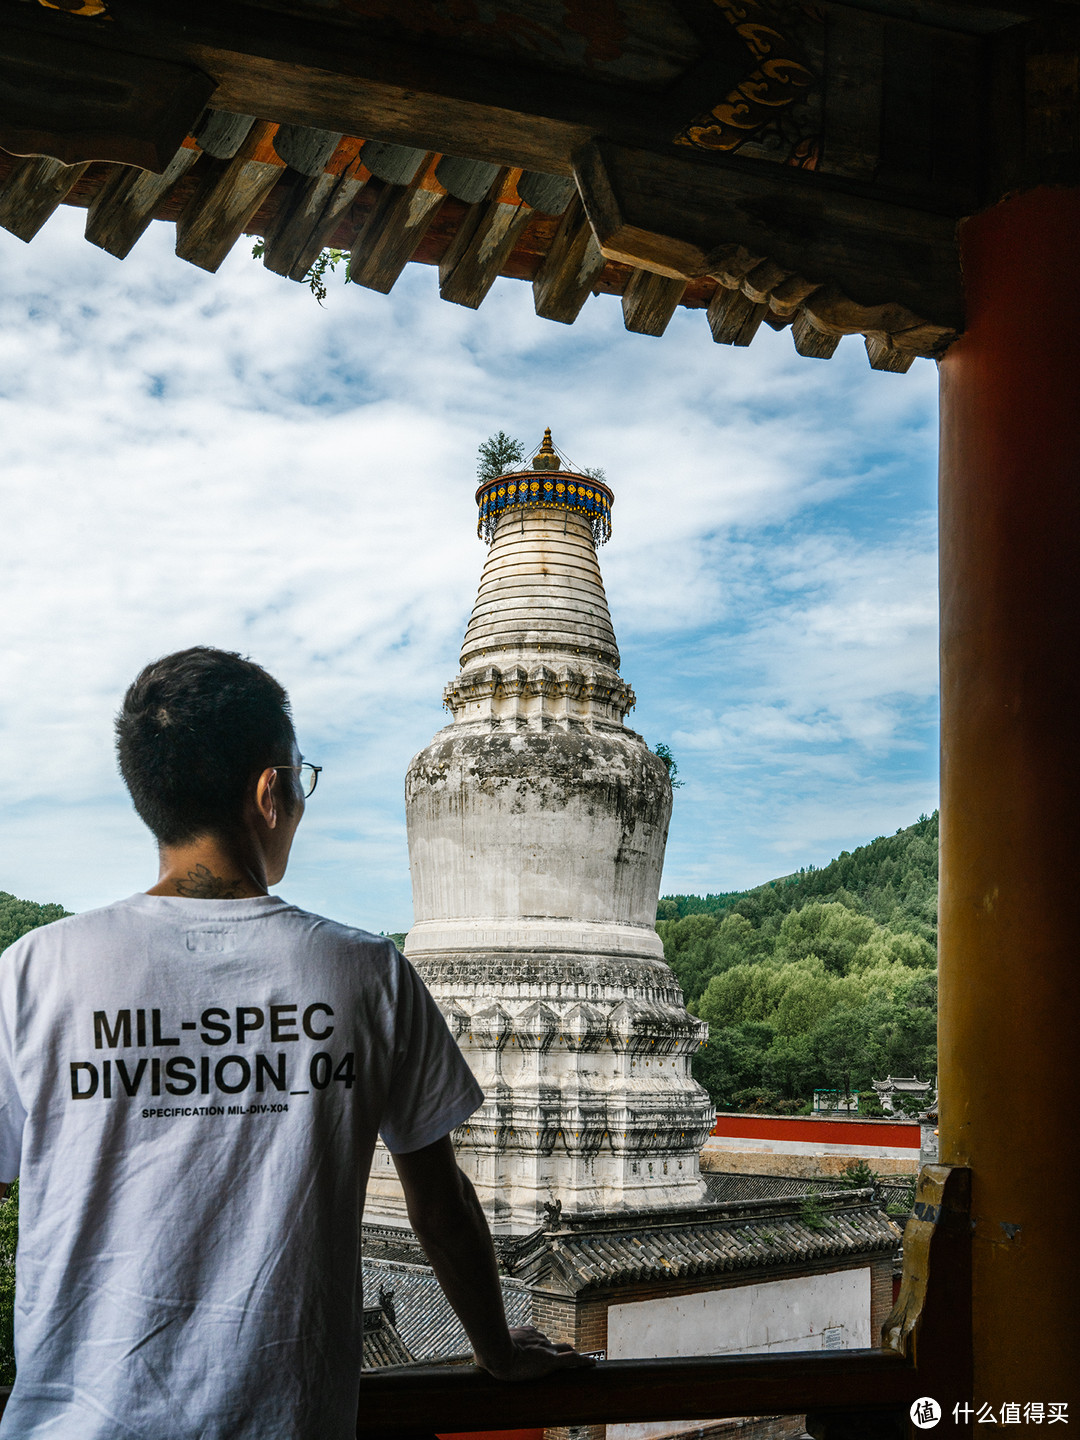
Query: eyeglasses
[309, 776]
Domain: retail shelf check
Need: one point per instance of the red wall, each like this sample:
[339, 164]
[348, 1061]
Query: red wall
[494, 1435]
[824, 1132]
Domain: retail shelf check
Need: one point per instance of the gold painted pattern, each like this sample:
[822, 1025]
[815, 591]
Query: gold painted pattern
[780, 79]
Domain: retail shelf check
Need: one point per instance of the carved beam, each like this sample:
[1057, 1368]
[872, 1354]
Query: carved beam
[466, 180]
[305, 150]
[815, 344]
[785, 239]
[121, 211]
[34, 189]
[649, 301]
[220, 134]
[733, 317]
[307, 219]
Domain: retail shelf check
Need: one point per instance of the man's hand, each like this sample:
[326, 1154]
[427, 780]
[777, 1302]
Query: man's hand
[532, 1355]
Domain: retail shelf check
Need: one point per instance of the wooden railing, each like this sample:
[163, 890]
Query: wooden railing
[455, 1398]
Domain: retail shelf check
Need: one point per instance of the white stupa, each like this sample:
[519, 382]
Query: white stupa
[537, 822]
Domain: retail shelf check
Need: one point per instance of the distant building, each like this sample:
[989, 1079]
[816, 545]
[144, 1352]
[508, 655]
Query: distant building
[420, 1316]
[895, 1087]
[752, 1276]
[383, 1344]
[830, 1102]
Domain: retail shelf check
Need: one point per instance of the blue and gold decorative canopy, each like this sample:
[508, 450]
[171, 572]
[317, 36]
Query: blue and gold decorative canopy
[546, 486]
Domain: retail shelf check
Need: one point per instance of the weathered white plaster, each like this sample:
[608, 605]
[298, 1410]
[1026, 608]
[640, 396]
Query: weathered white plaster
[810, 1312]
[537, 823]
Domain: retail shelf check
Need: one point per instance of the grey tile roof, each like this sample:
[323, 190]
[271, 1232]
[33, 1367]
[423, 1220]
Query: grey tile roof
[422, 1313]
[382, 1343]
[722, 1186]
[600, 1251]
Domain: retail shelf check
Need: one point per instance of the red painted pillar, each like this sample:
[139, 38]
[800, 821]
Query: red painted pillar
[1010, 801]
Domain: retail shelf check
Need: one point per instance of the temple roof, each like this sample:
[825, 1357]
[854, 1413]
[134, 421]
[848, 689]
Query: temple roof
[423, 1317]
[600, 1250]
[724, 1186]
[771, 162]
[382, 1343]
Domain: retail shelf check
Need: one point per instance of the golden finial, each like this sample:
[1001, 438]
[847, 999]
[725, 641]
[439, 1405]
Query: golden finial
[546, 459]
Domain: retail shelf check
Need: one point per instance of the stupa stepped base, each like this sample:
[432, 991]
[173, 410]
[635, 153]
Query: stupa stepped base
[520, 1189]
[584, 1060]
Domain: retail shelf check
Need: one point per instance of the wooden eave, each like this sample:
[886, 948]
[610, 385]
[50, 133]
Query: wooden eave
[643, 150]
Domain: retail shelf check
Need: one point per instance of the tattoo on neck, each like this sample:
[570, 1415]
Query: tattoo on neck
[203, 884]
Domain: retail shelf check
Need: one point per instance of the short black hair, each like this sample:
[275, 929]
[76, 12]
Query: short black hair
[194, 729]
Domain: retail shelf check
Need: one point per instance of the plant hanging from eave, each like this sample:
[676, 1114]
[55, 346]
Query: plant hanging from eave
[315, 279]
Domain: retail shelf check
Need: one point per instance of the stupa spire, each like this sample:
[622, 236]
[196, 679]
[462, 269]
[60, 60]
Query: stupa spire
[547, 458]
[540, 644]
[545, 486]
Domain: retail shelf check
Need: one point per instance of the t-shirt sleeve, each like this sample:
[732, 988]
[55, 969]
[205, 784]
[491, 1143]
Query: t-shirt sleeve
[432, 1090]
[12, 1114]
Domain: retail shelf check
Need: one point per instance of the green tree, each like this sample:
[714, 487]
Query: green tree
[733, 1059]
[835, 967]
[859, 1176]
[699, 946]
[809, 994]
[791, 1066]
[839, 1045]
[497, 454]
[745, 992]
[9, 1235]
[19, 916]
[664, 753]
[831, 931]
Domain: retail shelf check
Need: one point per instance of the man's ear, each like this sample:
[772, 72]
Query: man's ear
[267, 800]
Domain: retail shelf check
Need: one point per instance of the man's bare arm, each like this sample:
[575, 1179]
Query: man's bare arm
[450, 1225]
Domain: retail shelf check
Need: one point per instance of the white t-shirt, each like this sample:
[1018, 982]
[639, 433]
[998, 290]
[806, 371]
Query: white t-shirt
[190, 1093]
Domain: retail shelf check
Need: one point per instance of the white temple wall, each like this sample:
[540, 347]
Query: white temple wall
[830, 1311]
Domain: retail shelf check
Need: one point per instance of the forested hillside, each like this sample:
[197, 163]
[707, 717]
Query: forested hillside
[826, 978]
[19, 916]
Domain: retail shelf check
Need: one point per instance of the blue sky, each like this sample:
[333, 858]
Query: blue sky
[192, 458]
